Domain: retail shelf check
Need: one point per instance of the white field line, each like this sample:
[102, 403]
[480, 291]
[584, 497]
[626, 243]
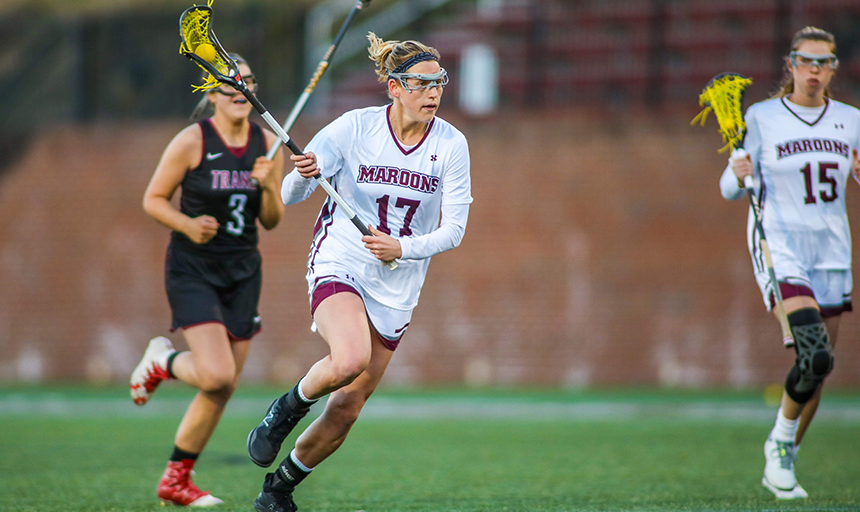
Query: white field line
[414, 408]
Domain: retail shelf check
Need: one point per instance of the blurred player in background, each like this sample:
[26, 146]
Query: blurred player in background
[408, 172]
[802, 147]
[213, 267]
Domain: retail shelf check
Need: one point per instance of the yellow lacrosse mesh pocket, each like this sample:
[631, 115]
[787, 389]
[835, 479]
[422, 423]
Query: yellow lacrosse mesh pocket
[724, 96]
[195, 33]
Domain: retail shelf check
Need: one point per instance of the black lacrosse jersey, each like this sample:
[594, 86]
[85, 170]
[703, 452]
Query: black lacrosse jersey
[221, 187]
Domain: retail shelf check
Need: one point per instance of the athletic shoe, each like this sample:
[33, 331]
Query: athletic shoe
[779, 475]
[264, 441]
[151, 370]
[177, 488]
[276, 496]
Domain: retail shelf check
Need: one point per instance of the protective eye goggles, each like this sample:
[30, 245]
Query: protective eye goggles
[425, 81]
[250, 82]
[807, 60]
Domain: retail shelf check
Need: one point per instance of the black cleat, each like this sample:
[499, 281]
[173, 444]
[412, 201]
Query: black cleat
[276, 496]
[264, 442]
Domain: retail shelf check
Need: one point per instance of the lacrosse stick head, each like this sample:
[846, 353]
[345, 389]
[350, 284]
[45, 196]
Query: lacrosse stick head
[201, 46]
[724, 97]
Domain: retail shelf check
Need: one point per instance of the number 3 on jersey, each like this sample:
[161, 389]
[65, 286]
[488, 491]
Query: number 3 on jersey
[823, 178]
[401, 202]
[237, 205]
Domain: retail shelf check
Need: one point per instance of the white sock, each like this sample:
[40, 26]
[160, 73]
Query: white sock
[302, 394]
[785, 429]
[298, 463]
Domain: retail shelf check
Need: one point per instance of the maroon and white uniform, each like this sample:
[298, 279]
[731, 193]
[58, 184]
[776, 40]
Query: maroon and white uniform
[419, 195]
[802, 159]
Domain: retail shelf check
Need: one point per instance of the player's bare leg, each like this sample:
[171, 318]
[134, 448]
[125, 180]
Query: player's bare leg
[329, 431]
[780, 446]
[342, 322]
[213, 366]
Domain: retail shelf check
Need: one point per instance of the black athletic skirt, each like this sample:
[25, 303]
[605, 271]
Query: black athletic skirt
[222, 288]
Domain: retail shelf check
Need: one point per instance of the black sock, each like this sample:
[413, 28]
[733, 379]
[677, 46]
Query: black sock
[291, 473]
[170, 359]
[180, 454]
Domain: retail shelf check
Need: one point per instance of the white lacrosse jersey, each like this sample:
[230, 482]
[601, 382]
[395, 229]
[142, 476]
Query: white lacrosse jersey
[802, 158]
[396, 188]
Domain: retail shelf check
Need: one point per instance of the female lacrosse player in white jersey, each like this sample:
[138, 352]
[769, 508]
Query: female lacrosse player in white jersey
[802, 147]
[406, 174]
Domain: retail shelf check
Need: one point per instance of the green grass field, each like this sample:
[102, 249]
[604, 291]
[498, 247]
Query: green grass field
[85, 449]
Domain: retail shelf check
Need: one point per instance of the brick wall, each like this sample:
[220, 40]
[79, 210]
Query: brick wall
[597, 253]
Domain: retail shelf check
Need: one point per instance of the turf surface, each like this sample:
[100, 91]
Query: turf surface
[85, 449]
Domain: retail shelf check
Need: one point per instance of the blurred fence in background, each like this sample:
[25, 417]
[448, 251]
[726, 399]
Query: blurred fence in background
[598, 252]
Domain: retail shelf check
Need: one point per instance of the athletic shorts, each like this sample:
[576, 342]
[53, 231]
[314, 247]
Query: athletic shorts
[327, 279]
[831, 289]
[223, 289]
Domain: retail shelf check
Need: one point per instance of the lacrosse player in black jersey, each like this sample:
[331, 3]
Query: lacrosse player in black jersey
[212, 269]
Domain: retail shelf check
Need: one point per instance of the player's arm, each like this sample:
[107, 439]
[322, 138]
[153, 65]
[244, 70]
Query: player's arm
[456, 198]
[323, 155]
[298, 185]
[855, 157]
[183, 153]
[447, 236]
[732, 180]
[269, 174]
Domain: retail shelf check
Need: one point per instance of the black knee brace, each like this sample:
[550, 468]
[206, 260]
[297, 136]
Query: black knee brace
[814, 354]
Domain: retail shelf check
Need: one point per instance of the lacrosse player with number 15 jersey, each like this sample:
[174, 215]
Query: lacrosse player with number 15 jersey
[405, 172]
[802, 147]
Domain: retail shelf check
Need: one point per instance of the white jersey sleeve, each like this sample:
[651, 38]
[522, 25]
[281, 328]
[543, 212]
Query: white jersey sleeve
[295, 188]
[448, 236]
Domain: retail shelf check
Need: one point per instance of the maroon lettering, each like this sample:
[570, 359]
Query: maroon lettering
[839, 148]
[415, 181]
[395, 176]
[796, 147]
[392, 175]
[404, 177]
[793, 147]
[365, 173]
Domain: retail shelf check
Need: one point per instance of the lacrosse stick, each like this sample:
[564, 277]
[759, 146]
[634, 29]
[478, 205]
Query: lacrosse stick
[724, 96]
[201, 46]
[321, 68]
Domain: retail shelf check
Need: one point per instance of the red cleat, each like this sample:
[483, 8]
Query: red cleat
[151, 370]
[176, 487]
